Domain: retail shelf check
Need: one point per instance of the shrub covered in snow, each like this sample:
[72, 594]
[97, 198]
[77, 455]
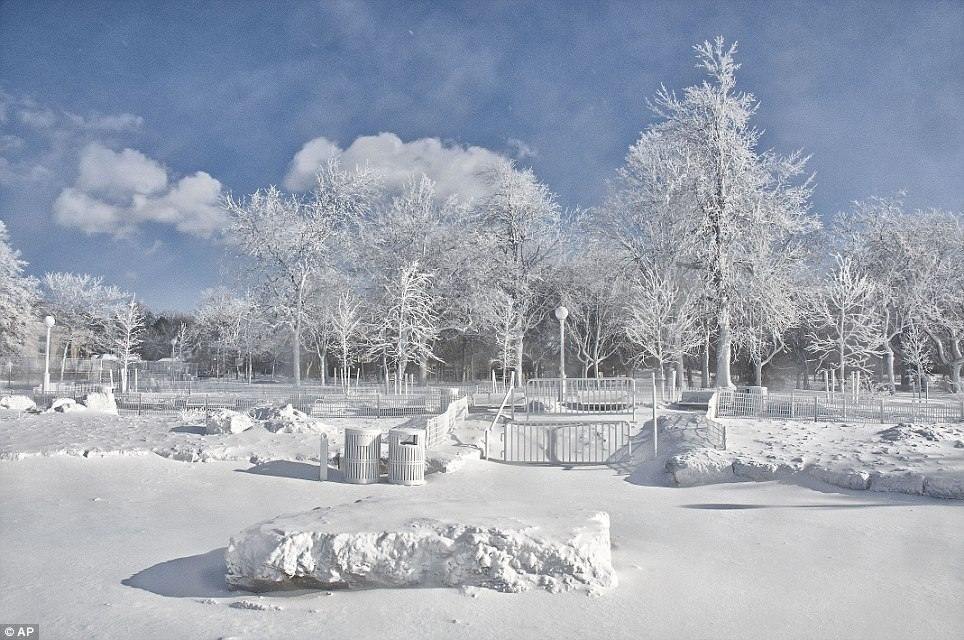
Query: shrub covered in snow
[287, 420]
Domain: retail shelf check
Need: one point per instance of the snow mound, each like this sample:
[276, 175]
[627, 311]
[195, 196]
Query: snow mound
[700, 466]
[393, 543]
[17, 403]
[227, 421]
[920, 433]
[101, 401]
[66, 405]
[289, 420]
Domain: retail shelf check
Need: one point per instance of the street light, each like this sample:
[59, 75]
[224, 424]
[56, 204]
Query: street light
[561, 314]
[49, 322]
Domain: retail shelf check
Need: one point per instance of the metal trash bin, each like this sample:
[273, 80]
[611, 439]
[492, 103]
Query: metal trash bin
[361, 457]
[406, 456]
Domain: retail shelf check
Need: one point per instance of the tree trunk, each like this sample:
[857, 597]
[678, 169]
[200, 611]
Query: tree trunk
[723, 349]
[324, 365]
[63, 361]
[758, 373]
[518, 361]
[680, 372]
[705, 373]
[423, 372]
[956, 385]
[296, 351]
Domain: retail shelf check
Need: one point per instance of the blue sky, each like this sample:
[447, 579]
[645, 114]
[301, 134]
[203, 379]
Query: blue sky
[121, 122]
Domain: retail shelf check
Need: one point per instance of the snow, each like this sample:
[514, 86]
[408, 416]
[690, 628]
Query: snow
[17, 403]
[380, 542]
[89, 433]
[904, 458]
[226, 421]
[122, 547]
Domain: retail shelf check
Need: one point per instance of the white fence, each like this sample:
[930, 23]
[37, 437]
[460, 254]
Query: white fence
[570, 443]
[839, 407]
[580, 396]
[438, 428]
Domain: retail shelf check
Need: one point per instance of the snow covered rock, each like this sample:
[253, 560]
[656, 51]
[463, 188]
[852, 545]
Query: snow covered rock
[378, 542]
[17, 403]
[756, 470]
[227, 421]
[288, 420]
[700, 466]
[66, 405]
[101, 401]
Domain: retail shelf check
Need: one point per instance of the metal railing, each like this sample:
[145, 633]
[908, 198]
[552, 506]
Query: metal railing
[839, 407]
[573, 443]
[580, 396]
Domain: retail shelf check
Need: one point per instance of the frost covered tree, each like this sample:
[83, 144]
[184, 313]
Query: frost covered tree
[663, 322]
[594, 287]
[915, 346]
[882, 241]
[18, 294]
[844, 320]
[416, 225]
[519, 223]
[347, 328]
[407, 324]
[291, 238]
[129, 323]
[84, 308]
[701, 166]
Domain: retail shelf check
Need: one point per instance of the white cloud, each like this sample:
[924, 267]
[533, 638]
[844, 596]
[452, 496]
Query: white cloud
[456, 169]
[116, 191]
[111, 173]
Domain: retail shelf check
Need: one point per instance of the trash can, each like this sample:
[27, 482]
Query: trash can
[361, 456]
[406, 456]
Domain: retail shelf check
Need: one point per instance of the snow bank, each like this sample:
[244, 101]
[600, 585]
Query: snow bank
[226, 421]
[700, 466]
[101, 401]
[377, 542]
[17, 403]
[66, 405]
[288, 420]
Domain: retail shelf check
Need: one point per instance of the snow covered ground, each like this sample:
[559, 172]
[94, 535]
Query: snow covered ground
[904, 458]
[133, 546]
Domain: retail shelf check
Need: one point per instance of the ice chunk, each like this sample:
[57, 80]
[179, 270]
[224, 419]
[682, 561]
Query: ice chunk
[396, 543]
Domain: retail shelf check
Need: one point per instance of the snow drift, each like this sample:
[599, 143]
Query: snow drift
[393, 543]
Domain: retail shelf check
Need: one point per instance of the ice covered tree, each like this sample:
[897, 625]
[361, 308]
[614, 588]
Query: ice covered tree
[915, 346]
[291, 238]
[406, 322]
[18, 294]
[844, 320]
[519, 223]
[84, 308]
[594, 287]
[416, 225]
[129, 323]
[662, 321]
[700, 164]
[347, 328]
[884, 243]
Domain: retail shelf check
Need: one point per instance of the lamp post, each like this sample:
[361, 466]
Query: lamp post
[561, 314]
[49, 323]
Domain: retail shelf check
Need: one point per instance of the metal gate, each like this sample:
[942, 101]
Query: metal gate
[566, 443]
[580, 396]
